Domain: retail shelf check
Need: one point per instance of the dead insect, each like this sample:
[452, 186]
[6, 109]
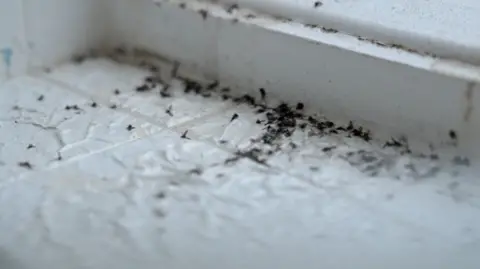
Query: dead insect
[203, 13]
[212, 86]
[223, 142]
[328, 149]
[184, 135]
[317, 4]
[78, 59]
[30, 146]
[93, 104]
[196, 171]
[41, 98]
[130, 127]
[169, 111]
[234, 117]
[25, 165]
[113, 106]
[160, 195]
[250, 16]
[165, 94]
[300, 106]
[263, 94]
[452, 134]
[258, 122]
[116, 92]
[232, 8]
[142, 88]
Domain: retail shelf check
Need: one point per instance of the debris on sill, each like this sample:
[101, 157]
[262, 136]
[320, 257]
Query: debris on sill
[282, 121]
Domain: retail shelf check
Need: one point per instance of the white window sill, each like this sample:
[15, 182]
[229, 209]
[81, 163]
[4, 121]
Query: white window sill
[446, 28]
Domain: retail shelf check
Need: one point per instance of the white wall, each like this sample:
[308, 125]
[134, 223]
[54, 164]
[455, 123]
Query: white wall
[42, 33]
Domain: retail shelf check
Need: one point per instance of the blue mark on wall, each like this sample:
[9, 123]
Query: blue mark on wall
[7, 54]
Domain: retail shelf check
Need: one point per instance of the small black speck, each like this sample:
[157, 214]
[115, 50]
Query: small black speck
[184, 135]
[116, 91]
[72, 107]
[113, 106]
[303, 126]
[169, 111]
[203, 13]
[30, 146]
[182, 5]
[263, 94]
[25, 165]
[130, 127]
[300, 106]
[250, 16]
[452, 134]
[78, 59]
[212, 85]
[93, 104]
[434, 157]
[232, 8]
[317, 4]
[142, 88]
[259, 122]
[41, 98]
[160, 195]
[225, 97]
[234, 117]
[223, 142]
[328, 149]
[165, 94]
[196, 171]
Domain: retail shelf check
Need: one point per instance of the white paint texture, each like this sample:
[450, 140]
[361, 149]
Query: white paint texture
[147, 198]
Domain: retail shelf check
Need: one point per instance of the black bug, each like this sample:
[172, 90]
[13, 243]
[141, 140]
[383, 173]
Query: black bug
[212, 86]
[130, 127]
[203, 13]
[234, 117]
[113, 106]
[300, 106]
[116, 91]
[452, 134]
[232, 8]
[142, 88]
[41, 98]
[263, 94]
[184, 135]
[26, 165]
[93, 104]
[30, 146]
[169, 111]
[317, 4]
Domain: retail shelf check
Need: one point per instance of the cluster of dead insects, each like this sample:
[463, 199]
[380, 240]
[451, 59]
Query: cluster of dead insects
[280, 122]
